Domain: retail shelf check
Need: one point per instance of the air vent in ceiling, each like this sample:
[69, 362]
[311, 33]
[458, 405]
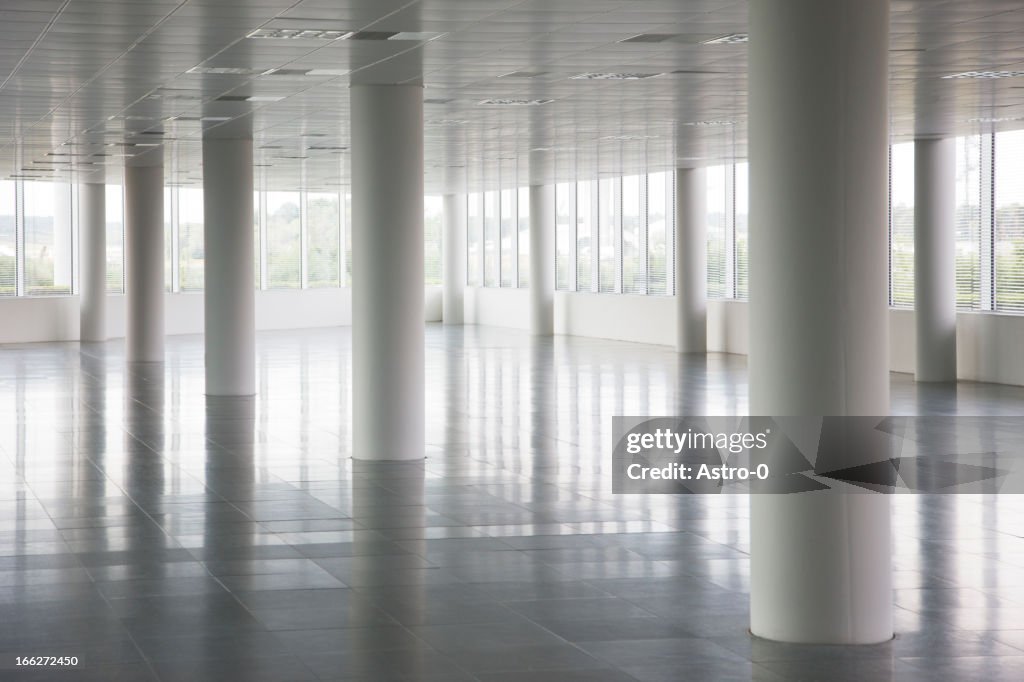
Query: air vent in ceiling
[727, 39]
[984, 74]
[416, 36]
[506, 102]
[711, 123]
[612, 76]
[437, 100]
[651, 38]
[225, 71]
[249, 98]
[299, 34]
[628, 138]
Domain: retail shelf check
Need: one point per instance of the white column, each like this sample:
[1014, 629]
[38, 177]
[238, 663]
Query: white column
[935, 258]
[387, 271]
[229, 293]
[691, 261]
[144, 263]
[92, 282]
[820, 562]
[454, 279]
[542, 259]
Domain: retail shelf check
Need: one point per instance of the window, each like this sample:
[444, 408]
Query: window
[115, 239]
[634, 235]
[585, 253]
[48, 247]
[524, 237]
[432, 226]
[741, 215]
[191, 254]
[474, 239]
[608, 198]
[491, 239]
[346, 216]
[509, 232]
[718, 218]
[660, 219]
[323, 240]
[284, 224]
[565, 235]
[1008, 241]
[8, 239]
[901, 225]
[170, 238]
[257, 241]
[969, 244]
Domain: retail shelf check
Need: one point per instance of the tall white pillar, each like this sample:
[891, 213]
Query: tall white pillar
[92, 256]
[387, 272]
[820, 562]
[935, 258]
[229, 293]
[144, 262]
[454, 279]
[542, 259]
[691, 261]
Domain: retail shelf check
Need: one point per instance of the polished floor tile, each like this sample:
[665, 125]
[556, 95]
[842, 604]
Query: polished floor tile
[159, 535]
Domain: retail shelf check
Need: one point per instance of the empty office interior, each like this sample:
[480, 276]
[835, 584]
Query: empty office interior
[317, 317]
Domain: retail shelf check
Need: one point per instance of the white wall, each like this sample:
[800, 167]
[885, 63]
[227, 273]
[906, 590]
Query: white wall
[32, 319]
[990, 347]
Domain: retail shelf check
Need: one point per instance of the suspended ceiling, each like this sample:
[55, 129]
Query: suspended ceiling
[89, 85]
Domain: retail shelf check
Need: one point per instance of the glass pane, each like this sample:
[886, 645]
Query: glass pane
[283, 240]
[115, 239]
[348, 239]
[968, 222]
[168, 240]
[48, 253]
[633, 247]
[718, 214]
[474, 237]
[524, 237]
[8, 239]
[432, 240]
[657, 233]
[1009, 222]
[508, 227]
[584, 235]
[565, 238]
[256, 239]
[901, 230]
[191, 253]
[490, 239]
[742, 208]
[323, 240]
[608, 247]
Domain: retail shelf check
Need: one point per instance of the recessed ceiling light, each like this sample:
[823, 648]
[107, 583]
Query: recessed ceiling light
[372, 35]
[553, 149]
[249, 98]
[437, 100]
[417, 36]
[651, 38]
[212, 119]
[612, 76]
[286, 72]
[505, 102]
[984, 74]
[225, 71]
[327, 72]
[523, 74]
[446, 122]
[326, 148]
[727, 39]
[299, 34]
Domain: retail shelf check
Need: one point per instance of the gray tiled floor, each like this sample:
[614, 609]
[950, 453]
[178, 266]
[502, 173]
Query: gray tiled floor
[157, 535]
